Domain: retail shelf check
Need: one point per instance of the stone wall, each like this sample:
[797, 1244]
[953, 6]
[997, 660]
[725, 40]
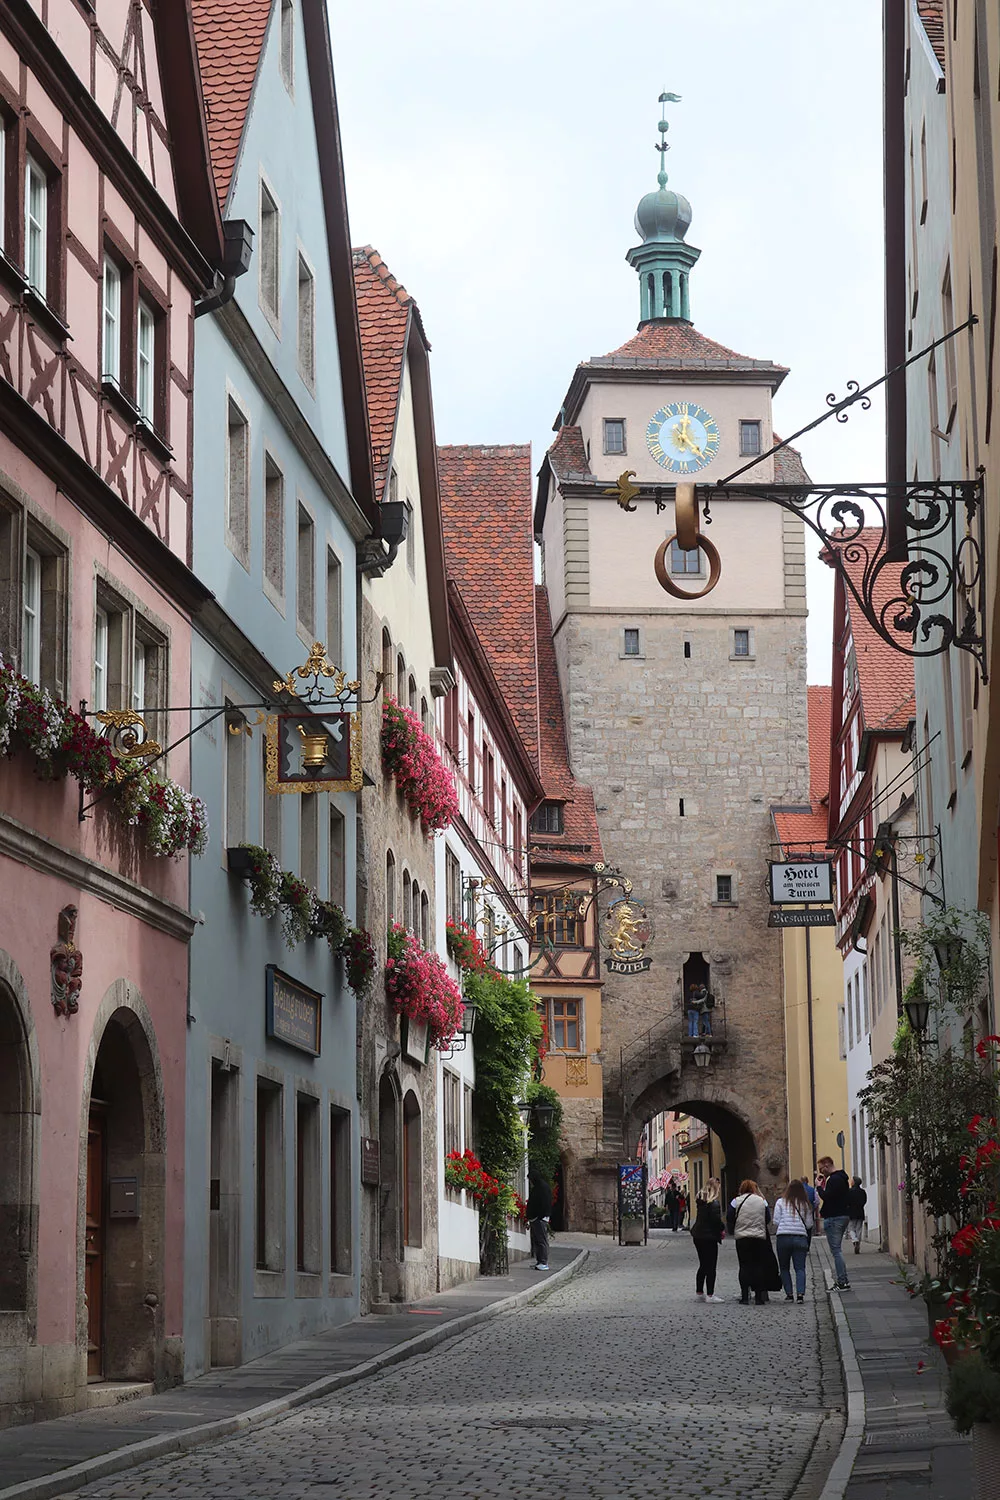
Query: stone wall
[686, 755]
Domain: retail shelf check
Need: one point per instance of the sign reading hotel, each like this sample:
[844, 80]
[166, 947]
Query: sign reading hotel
[293, 1012]
[626, 929]
[793, 882]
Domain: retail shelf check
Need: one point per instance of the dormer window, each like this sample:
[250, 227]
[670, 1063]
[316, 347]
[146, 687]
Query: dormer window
[548, 818]
[614, 434]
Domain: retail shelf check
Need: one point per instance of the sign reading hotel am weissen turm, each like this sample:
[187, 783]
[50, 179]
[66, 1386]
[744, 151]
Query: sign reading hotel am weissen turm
[795, 881]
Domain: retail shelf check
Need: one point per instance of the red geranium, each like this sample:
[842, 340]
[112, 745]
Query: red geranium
[410, 756]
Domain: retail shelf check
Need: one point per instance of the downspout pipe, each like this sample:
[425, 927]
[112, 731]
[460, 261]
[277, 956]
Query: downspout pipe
[236, 258]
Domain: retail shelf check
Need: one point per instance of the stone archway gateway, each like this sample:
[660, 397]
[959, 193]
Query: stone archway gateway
[123, 1200]
[740, 1152]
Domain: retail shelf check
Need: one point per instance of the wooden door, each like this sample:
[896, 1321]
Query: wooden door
[94, 1252]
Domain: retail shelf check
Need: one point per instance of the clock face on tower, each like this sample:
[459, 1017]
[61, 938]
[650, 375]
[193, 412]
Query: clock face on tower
[683, 437]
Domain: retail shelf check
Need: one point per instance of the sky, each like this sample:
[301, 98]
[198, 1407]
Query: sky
[495, 154]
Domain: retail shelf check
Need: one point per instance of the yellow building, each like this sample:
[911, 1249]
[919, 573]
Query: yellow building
[813, 977]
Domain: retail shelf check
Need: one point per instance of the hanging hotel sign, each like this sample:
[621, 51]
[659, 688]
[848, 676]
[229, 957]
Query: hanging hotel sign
[315, 746]
[796, 881]
[293, 1012]
[626, 931]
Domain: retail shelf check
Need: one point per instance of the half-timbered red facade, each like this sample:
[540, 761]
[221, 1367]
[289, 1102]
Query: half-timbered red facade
[109, 234]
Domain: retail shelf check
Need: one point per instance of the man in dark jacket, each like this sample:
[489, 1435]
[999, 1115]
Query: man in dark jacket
[539, 1212]
[857, 1200]
[833, 1187]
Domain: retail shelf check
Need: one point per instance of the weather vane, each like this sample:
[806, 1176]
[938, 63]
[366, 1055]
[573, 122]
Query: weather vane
[661, 144]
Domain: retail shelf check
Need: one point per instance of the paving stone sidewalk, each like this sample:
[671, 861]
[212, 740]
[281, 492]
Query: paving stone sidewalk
[910, 1450]
[616, 1384]
[43, 1448]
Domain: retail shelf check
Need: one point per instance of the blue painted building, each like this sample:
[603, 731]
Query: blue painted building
[283, 498]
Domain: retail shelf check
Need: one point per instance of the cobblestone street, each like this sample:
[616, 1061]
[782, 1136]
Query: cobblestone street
[618, 1384]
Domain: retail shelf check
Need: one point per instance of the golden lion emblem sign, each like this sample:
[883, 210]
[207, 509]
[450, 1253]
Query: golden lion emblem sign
[626, 931]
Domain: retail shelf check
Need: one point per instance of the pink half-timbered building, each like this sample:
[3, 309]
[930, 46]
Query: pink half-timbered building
[109, 235]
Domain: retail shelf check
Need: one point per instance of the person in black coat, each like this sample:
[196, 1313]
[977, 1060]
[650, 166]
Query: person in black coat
[857, 1200]
[706, 1231]
[539, 1212]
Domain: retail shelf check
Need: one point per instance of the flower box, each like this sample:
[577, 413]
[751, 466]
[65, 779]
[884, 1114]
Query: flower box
[239, 862]
[410, 757]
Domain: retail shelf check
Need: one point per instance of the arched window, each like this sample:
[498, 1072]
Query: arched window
[412, 1172]
[668, 295]
[425, 920]
[412, 695]
[390, 888]
[415, 923]
[425, 717]
[400, 680]
[18, 1210]
[407, 908]
[651, 293]
[386, 661]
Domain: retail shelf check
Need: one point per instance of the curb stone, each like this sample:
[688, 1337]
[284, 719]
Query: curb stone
[839, 1476]
[170, 1444]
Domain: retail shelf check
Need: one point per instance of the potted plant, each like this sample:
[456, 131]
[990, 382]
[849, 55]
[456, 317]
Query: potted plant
[973, 1402]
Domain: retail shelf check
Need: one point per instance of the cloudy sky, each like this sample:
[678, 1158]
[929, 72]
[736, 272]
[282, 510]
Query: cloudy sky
[495, 154]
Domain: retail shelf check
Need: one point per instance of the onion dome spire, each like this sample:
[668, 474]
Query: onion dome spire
[663, 260]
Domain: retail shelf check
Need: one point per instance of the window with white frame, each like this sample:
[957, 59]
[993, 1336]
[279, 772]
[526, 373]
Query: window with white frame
[31, 617]
[270, 255]
[145, 364]
[453, 887]
[36, 226]
[307, 322]
[111, 344]
[684, 560]
[100, 679]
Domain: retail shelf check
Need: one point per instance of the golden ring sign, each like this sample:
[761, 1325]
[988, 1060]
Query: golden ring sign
[664, 579]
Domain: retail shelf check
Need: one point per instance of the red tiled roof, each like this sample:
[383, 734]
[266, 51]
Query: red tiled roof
[579, 815]
[788, 466]
[486, 518]
[932, 17]
[230, 37]
[808, 827]
[568, 454]
[885, 675]
[384, 316]
[679, 343]
[820, 711]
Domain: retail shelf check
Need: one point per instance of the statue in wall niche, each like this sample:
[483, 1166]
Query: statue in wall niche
[66, 962]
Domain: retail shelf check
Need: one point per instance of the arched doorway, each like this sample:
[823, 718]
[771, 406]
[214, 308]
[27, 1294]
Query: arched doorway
[125, 1220]
[730, 1151]
[389, 1248]
[18, 1192]
[413, 1177]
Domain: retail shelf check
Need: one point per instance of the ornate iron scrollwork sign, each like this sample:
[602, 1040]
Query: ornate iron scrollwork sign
[129, 738]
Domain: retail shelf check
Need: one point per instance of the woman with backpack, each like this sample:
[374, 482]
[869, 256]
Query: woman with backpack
[706, 1231]
[793, 1226]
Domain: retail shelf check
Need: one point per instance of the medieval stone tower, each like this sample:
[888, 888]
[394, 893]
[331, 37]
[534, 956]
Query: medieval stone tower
[686, 716]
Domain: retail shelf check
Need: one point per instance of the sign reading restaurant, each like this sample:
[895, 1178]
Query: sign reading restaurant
[293, 1012]
[795, 881]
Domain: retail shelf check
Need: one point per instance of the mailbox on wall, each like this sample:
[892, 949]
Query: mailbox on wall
[123, 1198]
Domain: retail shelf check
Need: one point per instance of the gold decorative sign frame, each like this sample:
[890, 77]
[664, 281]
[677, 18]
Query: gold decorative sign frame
[350, 783]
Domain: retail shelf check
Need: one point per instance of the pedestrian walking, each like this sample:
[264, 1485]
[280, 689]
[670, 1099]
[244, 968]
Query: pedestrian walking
[747, 1221]
[833, 1186]
[672, 1205]
[811, 1195]
[707, 1232]
[682, 1207]
[857, 1200]
[793, 1222]
[539, 1212]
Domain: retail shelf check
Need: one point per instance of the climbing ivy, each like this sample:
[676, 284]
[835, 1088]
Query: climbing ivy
[543, 1145]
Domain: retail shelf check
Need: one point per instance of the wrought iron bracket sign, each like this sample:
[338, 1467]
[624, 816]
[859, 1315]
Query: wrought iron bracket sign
[920, 583]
